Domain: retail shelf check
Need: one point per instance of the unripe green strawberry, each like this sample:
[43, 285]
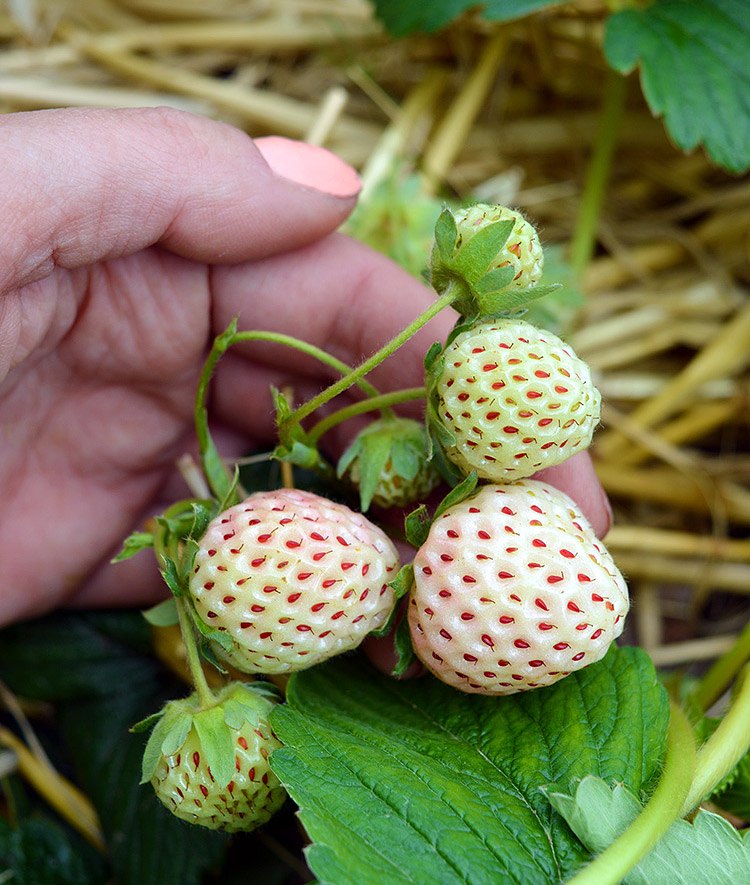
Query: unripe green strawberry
[210, 766]
[292, 579]
[515, 398]
[388, 463]
[522, 251]
[513, 590]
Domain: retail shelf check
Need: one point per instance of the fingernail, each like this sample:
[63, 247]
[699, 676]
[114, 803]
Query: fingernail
[309, 165]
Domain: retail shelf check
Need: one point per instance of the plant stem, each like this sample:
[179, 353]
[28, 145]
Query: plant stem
[217, 474]
[369, 364]
[720, 675]
[724, 749]
[193, 656]
[362, 407]
[662, 809]
[597, 175]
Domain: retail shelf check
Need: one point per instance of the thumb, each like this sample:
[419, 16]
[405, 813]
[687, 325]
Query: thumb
[83, 186]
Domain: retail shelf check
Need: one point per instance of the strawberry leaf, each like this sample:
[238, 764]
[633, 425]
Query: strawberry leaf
[694, 72]
[708, 850]
[405, 18]
[413, 781]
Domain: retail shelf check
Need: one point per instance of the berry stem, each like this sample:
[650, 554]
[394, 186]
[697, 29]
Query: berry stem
[613, 864]
[217, 474]
[362, 407]
[369, 364]
[597, 175]
[722, 672]
[724, 749]
[205, 694]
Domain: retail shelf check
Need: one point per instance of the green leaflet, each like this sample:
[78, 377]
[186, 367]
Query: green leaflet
[405, 782]
[693, 58]
[403, 18]
[708, 850]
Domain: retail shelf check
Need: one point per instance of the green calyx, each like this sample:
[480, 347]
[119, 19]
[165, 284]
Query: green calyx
[489, 258]
[388, 461]
[215, 726]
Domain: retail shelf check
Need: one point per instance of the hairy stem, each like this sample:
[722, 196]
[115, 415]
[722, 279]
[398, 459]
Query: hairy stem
[584, 235]
[362, 407]
[664, 807]
[720, 675]
[205, 694]
[369, 364]
[724, 749]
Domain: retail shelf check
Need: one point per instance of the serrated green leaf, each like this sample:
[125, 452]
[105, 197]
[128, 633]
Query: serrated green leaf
[445, 235]
[460, 493]
[133, 544]
[694, 71]
[413, 781]
[372, 461]
[163, 614]
[708, 850]
[417, 526]
[38, 851]
[476, 255]
[405, 18]
[216, 743]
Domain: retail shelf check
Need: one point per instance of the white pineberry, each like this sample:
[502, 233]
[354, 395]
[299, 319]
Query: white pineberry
[293, 579]
[516, 399]
[513, 590]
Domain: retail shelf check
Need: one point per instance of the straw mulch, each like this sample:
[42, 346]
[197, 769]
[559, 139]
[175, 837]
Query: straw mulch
[511, 114]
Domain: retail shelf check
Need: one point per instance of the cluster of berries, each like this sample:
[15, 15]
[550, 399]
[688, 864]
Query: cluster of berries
[509, 590]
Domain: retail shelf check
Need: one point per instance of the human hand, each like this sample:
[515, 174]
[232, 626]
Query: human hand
[131, 238]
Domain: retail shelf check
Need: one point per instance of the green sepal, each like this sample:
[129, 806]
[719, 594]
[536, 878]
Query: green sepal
[294, 445]
[404, 647]
[446, 468]
[436, 348]
[437, 428]
[504, 304]
[172, 578]
[145, 724]
[495, 280]
[475, 256]
[216, 743]
[372, 461]
[446, 234]
[406, 458]
[458, 494]
[188, 559]
[220, 637]
[133, 544]
[248, 701]
[177, 734]
[417, 526]
[152, 751]
[163, 614]
[401, 585]
[345, 461]
[231, 496]
[208, 654]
